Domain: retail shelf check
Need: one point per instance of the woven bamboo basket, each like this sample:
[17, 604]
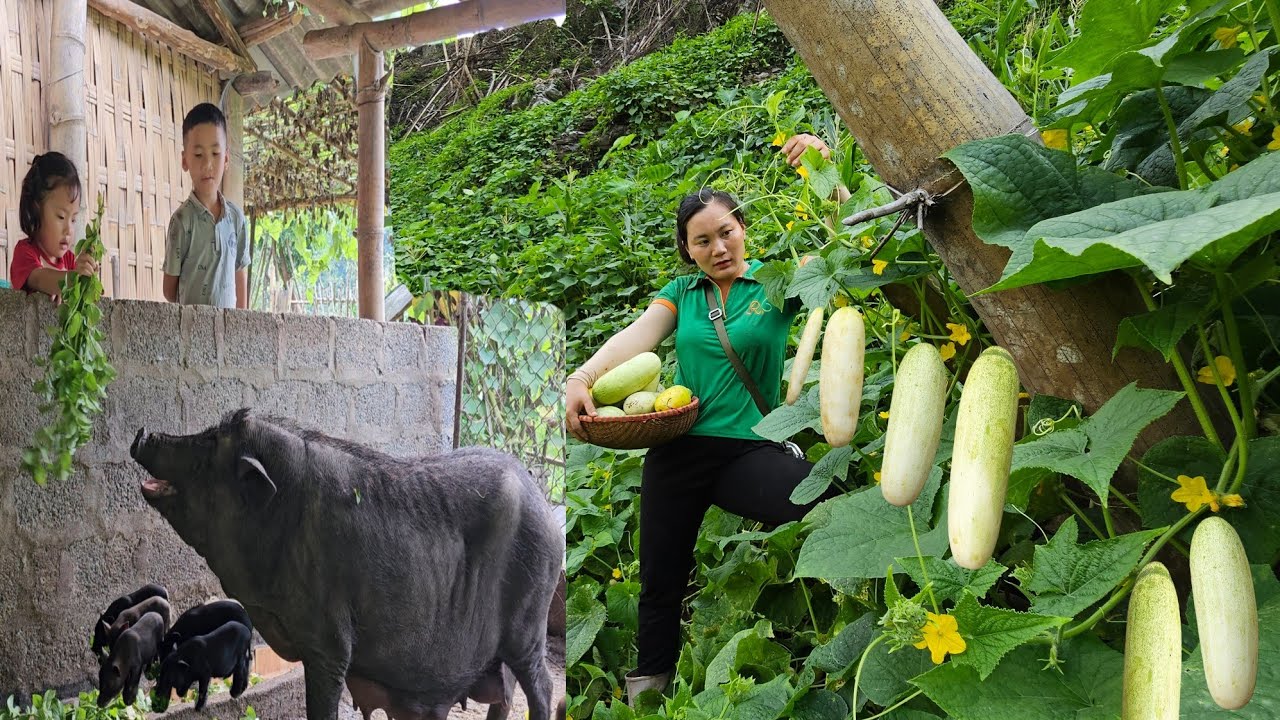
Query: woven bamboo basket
[639, 431]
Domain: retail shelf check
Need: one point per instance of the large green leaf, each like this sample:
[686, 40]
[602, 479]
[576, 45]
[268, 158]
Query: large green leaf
[834, 464]
[586, 617]
[1086, 686]
[1093, 450]
[749, 649]
[1135, 69]
[887, 675]
[1067, 577]
[950, 581]
[864, 534]
[775, 276]
[762, 702]
[990, 633]
[1197, 704]
[1107, 29]
[1017, 183]
[1159, 231]
[840, 654]
[1158, 330]
[785, 421]
[1061, 223]
[815, 282]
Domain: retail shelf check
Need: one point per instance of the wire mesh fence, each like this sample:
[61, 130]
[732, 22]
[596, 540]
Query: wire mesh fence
[510, 377]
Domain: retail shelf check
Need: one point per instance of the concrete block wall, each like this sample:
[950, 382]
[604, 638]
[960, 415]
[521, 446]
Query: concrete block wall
[68, 549]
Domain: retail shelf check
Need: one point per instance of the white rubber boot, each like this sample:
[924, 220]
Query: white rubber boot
[637, 684]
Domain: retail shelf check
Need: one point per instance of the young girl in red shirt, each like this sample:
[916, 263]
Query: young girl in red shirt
[47, 210]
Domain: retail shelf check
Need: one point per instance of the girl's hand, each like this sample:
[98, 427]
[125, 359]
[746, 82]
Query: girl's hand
[86, 265]
[577, 402]
[796, 145]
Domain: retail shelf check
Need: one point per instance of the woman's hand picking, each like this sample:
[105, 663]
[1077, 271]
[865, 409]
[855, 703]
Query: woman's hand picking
[795, 146]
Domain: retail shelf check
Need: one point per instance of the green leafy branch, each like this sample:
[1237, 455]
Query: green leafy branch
[76, 372]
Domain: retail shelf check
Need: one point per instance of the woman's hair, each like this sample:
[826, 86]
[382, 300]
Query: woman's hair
[694, 203]
[48, 172]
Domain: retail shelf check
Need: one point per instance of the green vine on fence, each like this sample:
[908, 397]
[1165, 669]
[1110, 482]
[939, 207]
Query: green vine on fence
[77, 371]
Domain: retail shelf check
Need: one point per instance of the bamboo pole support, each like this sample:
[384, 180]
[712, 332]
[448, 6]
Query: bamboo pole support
[66, 90]
[151, 25]
[371, 107]
[264, 29]
[429, 26]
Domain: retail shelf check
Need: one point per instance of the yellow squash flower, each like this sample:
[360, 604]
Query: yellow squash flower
[878, 266]
[1226, 36]
[1244, 126]
[947, 351]
[842, 300]
[884, 414]
[1225, 369]
[904, 336]
[617, 692]
[1275, 139]
[876, 476]
[800, 212]
[803, 172]
[780, 139]
[1024, 396]
[866, 241]
[1193, 493]
[1233, 500]
[617, 573]
[941, 636]
[791, 224]
[959, 332]
[1055, 138]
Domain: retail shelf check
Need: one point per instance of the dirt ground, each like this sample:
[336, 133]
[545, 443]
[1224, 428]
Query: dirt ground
[478, 711]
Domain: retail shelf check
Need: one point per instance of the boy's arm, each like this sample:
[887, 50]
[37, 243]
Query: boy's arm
[170, 287]
[173, 254]
[243, 258]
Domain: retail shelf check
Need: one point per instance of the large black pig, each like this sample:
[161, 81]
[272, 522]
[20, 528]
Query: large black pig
[413, 580]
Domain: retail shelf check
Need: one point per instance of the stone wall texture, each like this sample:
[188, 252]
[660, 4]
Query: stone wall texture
[68, 549]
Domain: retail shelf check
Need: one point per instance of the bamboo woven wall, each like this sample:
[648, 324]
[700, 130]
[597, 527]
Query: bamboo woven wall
[136, 94]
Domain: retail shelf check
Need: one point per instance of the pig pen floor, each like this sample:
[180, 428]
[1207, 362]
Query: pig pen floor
[478, 711]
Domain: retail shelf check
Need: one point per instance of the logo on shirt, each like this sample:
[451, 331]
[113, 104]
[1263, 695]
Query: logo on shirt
[757, 308]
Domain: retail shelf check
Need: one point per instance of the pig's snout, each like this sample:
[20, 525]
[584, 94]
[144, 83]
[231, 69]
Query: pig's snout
[138, 440]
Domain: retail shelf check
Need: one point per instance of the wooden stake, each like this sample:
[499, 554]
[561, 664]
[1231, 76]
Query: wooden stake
[263, 29]
[259, 83]
[149, 24]
[338, 12]
[66, 91]
[370, 103]
[428, 26]
[222, 21]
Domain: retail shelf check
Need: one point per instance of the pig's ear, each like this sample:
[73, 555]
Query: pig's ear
[255, 480]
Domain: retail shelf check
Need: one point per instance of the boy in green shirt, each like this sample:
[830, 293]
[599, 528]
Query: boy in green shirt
[207, 252]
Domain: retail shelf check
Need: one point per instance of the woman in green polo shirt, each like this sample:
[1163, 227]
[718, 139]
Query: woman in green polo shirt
[720, 460]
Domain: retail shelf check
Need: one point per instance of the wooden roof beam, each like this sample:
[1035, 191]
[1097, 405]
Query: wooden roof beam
[338, 12]
[222, 21]
[154, 26]
[264, 29]
[428, 26]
